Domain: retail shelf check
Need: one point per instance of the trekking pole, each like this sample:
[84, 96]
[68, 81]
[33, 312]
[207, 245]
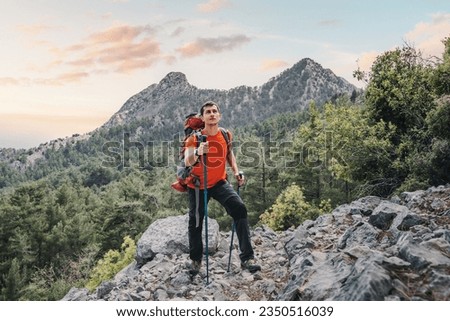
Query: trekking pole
[233, 227]
[205, 201]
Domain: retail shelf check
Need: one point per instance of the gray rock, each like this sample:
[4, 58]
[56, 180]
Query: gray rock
[395, 262]
[361, 233]
[244, 297]
[146, 295]
[382, 220]
[76, 294]
[409, 221]
[445, 234]
[160, 295]
[136, 297]
[104, 288]
[180, 279]
[385, 213]
[420, 255]
[126, 273]
[439, 284]
[169, 236]
[367, 281]
[412, 198]
[364, 206]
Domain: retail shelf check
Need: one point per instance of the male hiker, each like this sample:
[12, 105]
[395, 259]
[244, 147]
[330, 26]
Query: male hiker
[217, 154]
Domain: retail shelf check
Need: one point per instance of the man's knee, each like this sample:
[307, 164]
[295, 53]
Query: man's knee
[236, 208]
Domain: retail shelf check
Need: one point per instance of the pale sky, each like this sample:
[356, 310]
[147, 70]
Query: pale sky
[68, 65]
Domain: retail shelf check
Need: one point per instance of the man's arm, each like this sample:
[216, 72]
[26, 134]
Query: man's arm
[233, 164]
[231, 159]
[190, 157]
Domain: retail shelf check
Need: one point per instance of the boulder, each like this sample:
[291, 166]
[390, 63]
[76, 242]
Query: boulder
[169, 236]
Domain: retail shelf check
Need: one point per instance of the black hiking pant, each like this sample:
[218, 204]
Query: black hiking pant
[224, 193]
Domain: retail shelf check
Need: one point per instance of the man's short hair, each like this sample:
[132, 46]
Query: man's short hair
[208, 104]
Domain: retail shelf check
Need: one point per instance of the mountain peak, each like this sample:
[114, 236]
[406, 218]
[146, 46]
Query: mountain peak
[303, 64]
[174, 78]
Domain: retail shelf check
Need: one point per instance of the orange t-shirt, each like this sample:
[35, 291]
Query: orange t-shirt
[216, 160]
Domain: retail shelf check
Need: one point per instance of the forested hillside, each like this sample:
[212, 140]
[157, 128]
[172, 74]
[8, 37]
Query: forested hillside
[64, 205]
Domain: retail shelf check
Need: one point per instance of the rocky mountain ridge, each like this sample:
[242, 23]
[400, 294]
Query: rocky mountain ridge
[370, 249]
[167, 103]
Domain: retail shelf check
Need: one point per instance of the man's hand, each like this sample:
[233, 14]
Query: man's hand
[240, 178]
[203, 148]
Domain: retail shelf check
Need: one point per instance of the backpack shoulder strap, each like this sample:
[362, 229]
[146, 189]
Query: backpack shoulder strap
[227, 136]
[197, 134]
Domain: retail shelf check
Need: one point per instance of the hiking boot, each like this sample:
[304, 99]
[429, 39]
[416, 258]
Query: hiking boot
[195, 267]
[251, 266]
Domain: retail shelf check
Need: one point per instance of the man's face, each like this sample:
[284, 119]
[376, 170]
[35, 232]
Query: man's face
[211, 115]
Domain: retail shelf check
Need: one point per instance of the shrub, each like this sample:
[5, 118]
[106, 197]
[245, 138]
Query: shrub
[289, 209]
[112, 262]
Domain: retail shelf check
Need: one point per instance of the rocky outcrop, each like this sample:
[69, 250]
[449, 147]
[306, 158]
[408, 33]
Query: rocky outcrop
[374, 249]
[165, 276]
[370, 249]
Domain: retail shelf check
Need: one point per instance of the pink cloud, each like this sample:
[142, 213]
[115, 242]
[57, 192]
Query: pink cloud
[367, 59]
[122, 33]
[70, 77]
[59, 80]
[191, 49]
[428, 36]
[213, 5]
[212, 45]
[121, 49]
[118, 49]
[35, 29]
[9, 81]
[269, 64]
